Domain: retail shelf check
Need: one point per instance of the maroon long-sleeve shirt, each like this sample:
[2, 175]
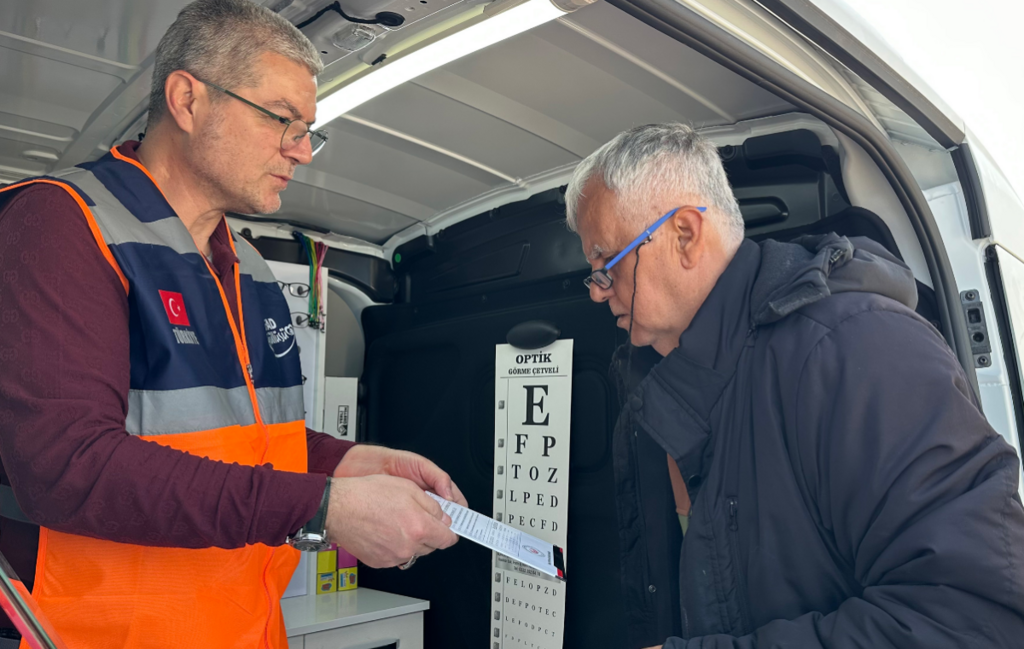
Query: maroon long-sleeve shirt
[64, 377]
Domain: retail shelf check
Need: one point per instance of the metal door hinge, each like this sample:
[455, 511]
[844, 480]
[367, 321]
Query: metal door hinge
[977, 329]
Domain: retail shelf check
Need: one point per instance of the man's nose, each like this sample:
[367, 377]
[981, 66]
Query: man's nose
[301, 153]
[598, 294]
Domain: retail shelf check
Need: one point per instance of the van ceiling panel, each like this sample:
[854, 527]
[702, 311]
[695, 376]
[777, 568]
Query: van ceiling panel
[331, 210]
[61, 64]
[116, 32]
[69, 102]
[380, 158]
[432, 117]
[528, 105]
[592, 98]
[39, 118]
[73, 77]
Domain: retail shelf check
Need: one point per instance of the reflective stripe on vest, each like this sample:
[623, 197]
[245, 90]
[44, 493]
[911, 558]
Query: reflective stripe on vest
[200, 384]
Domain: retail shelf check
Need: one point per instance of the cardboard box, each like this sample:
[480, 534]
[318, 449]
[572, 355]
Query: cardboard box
[326, 561]
[346, 560]
[326, 571]
[326, 582]
[340, 417]
[348, 578]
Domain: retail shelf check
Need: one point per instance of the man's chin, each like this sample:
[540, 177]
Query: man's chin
[268, 205]
[623, 323]
[638, 337]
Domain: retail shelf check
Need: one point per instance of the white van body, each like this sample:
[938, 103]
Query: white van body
[509, 122]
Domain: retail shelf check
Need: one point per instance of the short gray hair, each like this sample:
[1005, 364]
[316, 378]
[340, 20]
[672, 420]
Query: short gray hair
[220, 41]
[644, 159]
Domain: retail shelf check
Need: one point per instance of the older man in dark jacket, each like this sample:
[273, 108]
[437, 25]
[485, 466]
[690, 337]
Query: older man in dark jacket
[846, 491]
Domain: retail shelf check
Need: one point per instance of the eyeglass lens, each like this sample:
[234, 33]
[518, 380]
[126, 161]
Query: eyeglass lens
[599, 277]
[296, 289]
[297, 130]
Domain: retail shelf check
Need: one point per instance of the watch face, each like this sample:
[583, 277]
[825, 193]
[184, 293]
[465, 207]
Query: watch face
[309, 542]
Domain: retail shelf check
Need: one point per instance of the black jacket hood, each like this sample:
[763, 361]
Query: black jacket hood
[793, 275]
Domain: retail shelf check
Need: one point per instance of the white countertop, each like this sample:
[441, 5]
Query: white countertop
[311, 613]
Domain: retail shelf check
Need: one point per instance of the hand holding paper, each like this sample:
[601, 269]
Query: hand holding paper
[538, 554]
[384, 521]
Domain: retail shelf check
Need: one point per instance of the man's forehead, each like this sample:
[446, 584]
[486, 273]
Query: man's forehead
[596, 230]
[289, 88]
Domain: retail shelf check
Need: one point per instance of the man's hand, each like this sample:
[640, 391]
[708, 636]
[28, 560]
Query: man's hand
[366, 460]
[384, 520]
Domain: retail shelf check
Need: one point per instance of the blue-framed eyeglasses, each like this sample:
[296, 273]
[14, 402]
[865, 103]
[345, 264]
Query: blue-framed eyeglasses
[602, 278]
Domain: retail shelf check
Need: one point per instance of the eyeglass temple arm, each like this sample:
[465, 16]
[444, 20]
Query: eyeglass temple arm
[636, 242]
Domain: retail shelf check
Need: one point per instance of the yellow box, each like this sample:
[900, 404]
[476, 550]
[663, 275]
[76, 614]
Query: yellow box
[326, 582]
[326, 561]
[348, 578]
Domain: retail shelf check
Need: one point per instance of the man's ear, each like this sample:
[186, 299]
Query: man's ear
[182, 92]
[688, 235]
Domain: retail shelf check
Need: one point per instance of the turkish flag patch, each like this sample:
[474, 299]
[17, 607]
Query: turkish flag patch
[174, 305]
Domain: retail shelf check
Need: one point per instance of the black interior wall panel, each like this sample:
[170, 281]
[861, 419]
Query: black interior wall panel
[513, 245]
[430, 389]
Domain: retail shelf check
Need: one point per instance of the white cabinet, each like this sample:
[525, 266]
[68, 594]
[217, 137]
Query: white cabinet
[357, 619]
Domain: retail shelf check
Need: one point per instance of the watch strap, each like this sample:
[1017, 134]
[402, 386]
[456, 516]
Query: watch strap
[318, 523]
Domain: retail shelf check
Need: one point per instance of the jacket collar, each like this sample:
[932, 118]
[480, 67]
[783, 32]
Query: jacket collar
[674, 402]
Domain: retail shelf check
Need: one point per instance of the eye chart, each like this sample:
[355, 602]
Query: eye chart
[533, 391]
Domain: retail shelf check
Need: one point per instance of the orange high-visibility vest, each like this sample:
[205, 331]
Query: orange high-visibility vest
[200, 384]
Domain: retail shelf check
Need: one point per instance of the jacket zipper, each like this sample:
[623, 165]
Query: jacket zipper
[243, 351]
[640, 509]
[683, 609]
[242, 348]
[733, 504]
[833, 258]
[266, 432]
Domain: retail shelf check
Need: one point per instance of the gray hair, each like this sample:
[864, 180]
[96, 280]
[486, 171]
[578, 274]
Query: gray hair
[220, 41]
[645, 160]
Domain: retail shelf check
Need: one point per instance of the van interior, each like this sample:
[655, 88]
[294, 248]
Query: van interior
[442, 201]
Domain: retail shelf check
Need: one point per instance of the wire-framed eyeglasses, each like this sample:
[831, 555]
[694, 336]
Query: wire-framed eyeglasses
[295, 130]
[602, 277]
[297, 289]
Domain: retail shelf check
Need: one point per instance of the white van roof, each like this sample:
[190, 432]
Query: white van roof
[497, 125]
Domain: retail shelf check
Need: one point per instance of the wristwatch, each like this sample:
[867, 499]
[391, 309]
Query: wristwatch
[312, 537]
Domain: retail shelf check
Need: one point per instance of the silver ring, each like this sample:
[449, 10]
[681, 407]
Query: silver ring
[408, 564]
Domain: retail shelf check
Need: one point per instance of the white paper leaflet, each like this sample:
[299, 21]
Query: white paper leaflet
[544, 556]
